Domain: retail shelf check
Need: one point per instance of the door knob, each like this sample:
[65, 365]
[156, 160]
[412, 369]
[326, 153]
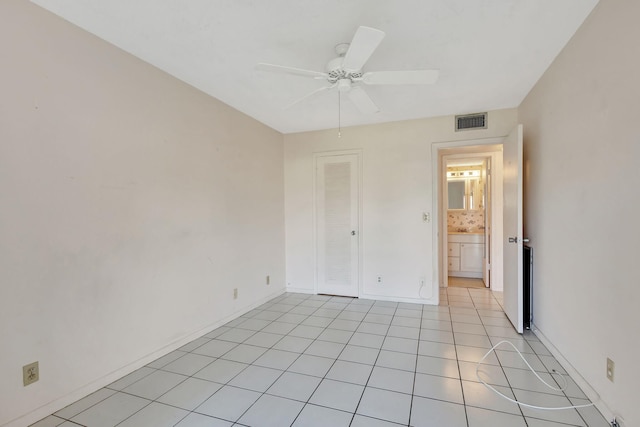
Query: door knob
[515, 240]
[353, 232]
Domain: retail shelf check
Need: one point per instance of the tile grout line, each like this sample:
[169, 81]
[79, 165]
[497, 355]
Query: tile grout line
[455, 347]
[504, 373]
[415, 369]
[355, 411]
[328, 370]
[191, 376]
[299, 301]
[314, 340]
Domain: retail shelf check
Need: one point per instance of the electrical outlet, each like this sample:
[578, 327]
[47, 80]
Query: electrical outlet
[235, 293]
[379, 279]
[30, 373]
[268, 280]
[610, 369]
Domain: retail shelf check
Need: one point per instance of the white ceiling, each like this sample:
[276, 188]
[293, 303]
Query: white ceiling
[489, 52]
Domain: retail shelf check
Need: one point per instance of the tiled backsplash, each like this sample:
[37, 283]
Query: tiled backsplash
[469, 220]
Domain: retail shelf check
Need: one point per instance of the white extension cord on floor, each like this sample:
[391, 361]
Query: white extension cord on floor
[561, 389]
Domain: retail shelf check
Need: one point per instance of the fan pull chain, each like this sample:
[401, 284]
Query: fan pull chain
[339, 124]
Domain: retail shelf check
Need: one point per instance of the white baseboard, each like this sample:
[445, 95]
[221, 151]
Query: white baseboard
[99, 383]
[427, 301]
[300, 290]
[589, 391]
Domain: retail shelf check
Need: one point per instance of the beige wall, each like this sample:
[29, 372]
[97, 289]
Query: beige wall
[397, 187]
[581, 155]
[131, 205]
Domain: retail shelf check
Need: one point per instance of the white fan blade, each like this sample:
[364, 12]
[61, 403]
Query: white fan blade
[362, 101]
[291, 70]
[414, 77]
[309, 95]
[362, 46]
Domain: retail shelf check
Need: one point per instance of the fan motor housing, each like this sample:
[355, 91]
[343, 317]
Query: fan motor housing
[344, 85]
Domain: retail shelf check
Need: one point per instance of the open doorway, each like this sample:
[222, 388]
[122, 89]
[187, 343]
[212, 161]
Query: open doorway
[470, 216]
[468, 225]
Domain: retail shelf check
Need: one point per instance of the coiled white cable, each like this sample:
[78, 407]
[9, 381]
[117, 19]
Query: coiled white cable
[544, 408]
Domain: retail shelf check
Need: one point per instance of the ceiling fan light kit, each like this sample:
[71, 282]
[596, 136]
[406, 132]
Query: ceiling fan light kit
[345, 71]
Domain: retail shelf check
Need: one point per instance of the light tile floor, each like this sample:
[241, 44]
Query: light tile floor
[310, 360]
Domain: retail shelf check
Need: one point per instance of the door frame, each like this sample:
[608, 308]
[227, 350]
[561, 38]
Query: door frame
[474, 147]
[336, 153]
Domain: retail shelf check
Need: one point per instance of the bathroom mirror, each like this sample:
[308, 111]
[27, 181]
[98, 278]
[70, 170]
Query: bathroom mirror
[456, 194]
[465, 194]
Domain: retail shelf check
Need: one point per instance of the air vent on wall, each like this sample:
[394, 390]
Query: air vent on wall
[471, 121]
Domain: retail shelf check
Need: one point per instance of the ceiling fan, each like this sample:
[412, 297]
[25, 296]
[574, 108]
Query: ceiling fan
[346, 71]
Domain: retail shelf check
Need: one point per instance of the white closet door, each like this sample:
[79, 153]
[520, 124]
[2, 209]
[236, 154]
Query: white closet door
[337, 224]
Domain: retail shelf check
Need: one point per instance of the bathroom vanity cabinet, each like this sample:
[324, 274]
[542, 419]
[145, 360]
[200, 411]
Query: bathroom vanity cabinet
[466, 252]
